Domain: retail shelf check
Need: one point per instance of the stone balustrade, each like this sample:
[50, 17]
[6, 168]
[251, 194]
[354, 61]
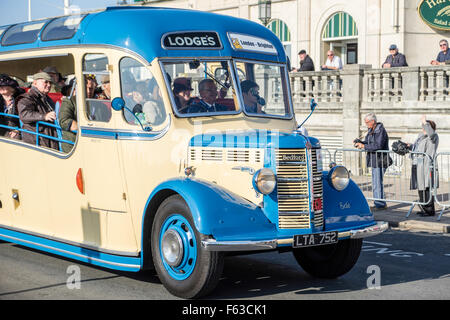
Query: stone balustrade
[398, 96]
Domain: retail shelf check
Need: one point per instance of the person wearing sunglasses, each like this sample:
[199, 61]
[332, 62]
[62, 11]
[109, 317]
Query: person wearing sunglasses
[444, 55]
[250, 94]
[333, 62]
[395, 58]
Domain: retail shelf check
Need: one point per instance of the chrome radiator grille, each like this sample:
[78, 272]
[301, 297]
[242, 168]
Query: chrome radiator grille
[293, 189]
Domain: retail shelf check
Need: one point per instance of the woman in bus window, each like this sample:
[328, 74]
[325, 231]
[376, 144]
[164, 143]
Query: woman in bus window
[9, 92]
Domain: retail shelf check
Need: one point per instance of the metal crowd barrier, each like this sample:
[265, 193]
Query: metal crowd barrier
[442, 181]
[398, 171]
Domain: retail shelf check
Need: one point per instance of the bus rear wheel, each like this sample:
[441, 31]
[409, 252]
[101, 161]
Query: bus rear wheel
[329, 261]
[183, 266]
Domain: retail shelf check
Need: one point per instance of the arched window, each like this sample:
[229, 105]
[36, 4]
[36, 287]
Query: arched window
[340, 25]
[340, 34]
[282, 32]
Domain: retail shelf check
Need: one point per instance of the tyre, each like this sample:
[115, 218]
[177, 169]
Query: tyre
[329, 261]
[183, 266]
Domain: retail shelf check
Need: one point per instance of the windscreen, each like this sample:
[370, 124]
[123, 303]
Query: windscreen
[201, 87]
[263, 89]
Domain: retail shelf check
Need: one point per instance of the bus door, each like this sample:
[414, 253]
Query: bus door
[101, 171]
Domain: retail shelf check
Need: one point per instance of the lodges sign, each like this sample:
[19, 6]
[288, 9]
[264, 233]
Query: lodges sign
[435, 13]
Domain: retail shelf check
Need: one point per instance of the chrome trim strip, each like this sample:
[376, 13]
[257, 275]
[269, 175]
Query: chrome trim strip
[292, 213]
[213, 245]
[292, 179]
[124, 134]
[73, 253]
[293, 196]
[292, 163]
[72, 243]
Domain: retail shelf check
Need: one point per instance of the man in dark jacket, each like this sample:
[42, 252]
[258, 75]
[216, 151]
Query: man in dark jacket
[306, 63]
[395, 58]
[376, 139]
[34, 106]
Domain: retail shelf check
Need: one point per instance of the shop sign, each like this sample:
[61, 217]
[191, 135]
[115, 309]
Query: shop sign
[435, 13]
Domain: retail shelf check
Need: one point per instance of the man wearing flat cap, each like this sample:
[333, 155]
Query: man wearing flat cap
[57, 79]
[34, 106]
[395, 58]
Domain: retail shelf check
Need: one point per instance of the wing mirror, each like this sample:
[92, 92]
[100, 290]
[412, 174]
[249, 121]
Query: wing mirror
[118, 104]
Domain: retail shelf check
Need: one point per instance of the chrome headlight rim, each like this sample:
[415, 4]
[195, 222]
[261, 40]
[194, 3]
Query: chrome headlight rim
[339, 178]
[264, 181]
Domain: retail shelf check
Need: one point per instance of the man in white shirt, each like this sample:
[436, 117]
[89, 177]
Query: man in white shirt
[333, 62]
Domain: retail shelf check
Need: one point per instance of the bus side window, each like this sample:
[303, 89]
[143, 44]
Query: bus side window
[141, 93]
[97, 87]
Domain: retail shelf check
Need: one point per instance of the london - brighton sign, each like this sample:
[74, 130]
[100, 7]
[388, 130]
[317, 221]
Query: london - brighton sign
[435, 13]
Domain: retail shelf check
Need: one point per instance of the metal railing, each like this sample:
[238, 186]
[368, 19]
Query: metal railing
[395, 185]
[441, 175]
[37, 134]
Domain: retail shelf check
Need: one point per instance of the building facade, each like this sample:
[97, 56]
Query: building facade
[360, 31]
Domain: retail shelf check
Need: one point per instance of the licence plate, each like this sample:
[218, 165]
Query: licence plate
[315, 239]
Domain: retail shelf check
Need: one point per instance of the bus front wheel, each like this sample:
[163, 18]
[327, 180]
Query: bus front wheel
[329, 261]
[183, 266]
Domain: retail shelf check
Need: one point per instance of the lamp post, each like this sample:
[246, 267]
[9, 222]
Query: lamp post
[264, 10]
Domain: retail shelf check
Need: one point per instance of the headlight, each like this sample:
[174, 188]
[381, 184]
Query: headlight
[339, 178]
[264, 181]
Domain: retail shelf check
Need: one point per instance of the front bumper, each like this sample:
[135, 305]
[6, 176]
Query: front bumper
[213, 245]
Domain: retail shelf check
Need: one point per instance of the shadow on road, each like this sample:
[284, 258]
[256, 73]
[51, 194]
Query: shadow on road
[403, 257]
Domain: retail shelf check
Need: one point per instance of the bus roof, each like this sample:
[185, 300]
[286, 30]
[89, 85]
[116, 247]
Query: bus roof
[141, 30]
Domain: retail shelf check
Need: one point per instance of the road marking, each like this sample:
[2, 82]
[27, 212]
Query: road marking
[375, 246]
[379, 243]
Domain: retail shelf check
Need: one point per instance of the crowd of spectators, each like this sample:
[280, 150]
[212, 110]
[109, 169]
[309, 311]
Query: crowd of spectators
[394, 59]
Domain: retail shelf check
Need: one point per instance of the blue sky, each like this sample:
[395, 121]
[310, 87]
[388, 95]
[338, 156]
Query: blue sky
[13, 11]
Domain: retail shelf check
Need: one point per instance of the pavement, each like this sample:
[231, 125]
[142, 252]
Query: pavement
[395, 214]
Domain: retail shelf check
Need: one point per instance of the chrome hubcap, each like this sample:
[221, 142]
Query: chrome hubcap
[172, 248]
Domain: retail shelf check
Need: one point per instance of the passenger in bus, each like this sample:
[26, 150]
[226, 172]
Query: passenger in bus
[97, 108]
[68, 115]
[36, 105]
[182, 96]
[9, 92]
[106, 89]
[250, 94]
[208, 94]
[134, 100]
[91, 86]
[154, 108]
[57, 79]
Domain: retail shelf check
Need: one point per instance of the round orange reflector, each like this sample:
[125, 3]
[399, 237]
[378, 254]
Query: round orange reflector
[80, 182]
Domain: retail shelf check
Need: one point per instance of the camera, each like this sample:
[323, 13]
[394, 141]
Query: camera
[357, 140]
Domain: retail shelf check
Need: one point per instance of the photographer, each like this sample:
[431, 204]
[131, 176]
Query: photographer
[375, 140]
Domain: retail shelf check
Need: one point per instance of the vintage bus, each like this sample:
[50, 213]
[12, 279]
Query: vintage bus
[152, 182]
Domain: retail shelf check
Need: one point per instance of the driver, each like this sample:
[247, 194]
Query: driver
[208, 94]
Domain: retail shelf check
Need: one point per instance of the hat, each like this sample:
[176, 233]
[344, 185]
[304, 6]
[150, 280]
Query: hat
[50, 70]
[302, 52]
[178, 87]
[42, 75]
[183, 81]
[246, 85]
[7, 81]
[104, 79]
[393, 47]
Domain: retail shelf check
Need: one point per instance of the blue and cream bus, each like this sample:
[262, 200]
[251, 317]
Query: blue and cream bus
[151, 182]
